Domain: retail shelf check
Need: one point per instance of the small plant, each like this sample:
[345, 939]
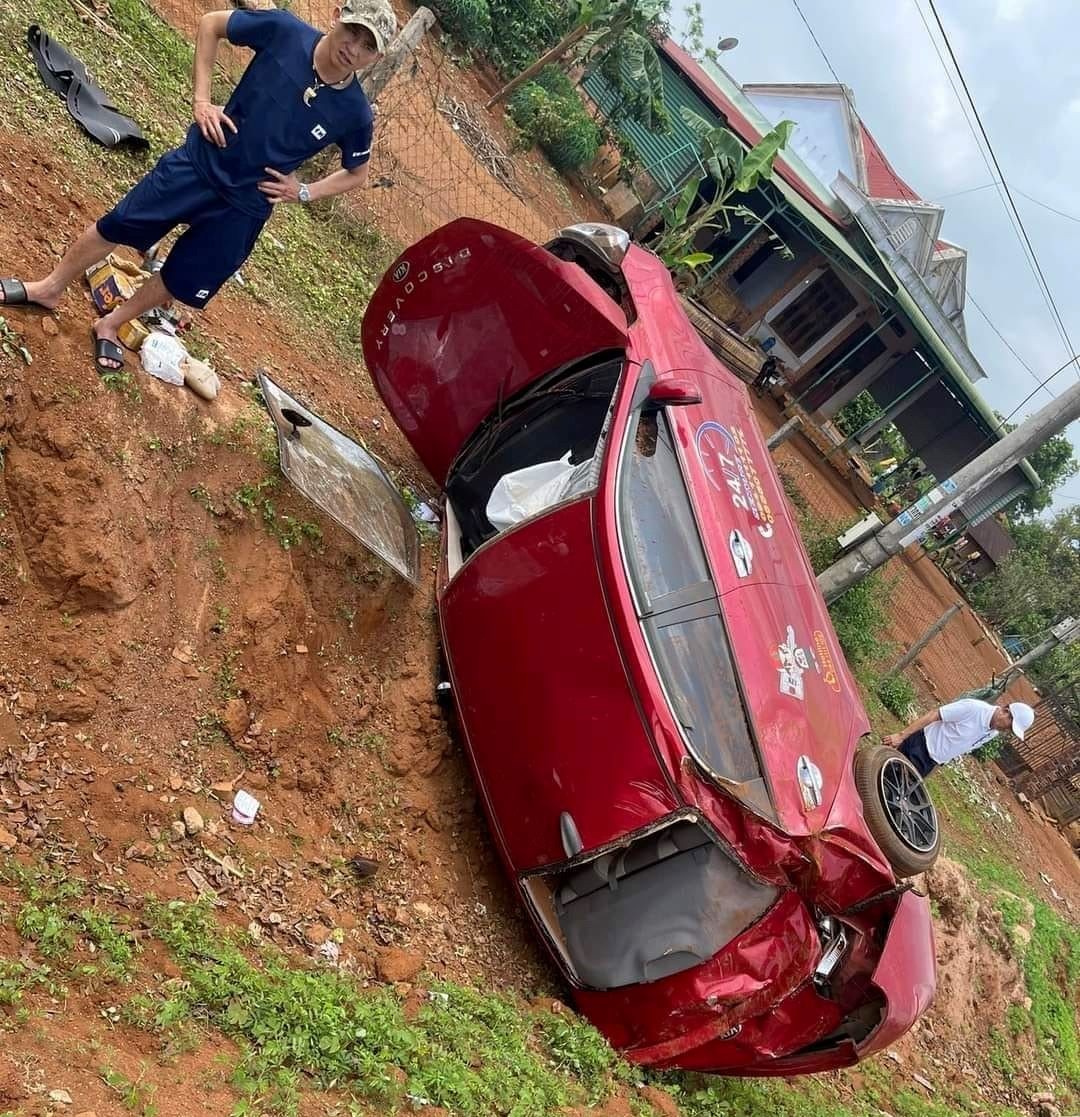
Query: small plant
[133, 1095]
[120, 380]
[897, 695]
[220, 625]
[209, 729]
[225, 678]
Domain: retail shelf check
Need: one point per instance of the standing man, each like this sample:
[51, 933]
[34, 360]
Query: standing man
[956, 729]
[299, 94]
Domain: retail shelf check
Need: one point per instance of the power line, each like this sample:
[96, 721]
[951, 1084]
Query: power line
[1060, 213]
[970, 190]
[1069, 347]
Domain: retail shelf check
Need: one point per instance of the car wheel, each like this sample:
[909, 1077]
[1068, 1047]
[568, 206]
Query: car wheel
[898, 809]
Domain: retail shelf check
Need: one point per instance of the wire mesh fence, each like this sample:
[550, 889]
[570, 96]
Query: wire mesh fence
[438, 153]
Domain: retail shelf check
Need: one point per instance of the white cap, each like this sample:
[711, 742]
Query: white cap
[1023, 715]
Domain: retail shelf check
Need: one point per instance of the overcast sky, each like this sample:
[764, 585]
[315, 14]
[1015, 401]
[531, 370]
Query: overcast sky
[1022, 65]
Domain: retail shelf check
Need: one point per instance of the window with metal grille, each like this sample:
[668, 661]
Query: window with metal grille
[807, 319]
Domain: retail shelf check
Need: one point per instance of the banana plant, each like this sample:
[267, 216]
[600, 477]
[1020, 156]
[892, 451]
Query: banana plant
[734, 171]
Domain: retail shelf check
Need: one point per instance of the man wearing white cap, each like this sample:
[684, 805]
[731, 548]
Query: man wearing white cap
[956, 729]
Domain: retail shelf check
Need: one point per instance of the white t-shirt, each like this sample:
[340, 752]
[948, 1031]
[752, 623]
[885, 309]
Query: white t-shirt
[964, 726]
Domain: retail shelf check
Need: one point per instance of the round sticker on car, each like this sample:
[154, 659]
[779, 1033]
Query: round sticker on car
[401, 272]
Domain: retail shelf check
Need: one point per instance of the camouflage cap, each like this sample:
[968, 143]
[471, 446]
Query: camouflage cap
[376, 15]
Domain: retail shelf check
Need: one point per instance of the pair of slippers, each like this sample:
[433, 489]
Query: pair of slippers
[105, 350]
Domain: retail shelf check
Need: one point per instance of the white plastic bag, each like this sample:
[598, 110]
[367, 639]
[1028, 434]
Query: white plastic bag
[162, 356]
[528, 491]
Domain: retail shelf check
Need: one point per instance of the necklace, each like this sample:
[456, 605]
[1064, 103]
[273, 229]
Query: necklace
[317, 83]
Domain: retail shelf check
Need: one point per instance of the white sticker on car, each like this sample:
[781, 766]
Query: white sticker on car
[792, 662]
[729, 467]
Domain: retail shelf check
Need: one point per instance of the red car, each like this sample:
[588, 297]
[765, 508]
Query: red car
[660, 720]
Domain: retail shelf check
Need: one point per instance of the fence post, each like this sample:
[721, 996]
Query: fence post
[406, 41]
[782, 434]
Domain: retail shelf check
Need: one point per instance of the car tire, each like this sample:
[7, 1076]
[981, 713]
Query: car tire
[898, 809]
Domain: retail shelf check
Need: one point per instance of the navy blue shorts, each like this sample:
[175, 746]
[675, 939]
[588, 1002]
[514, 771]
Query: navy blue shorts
[218, 240]
[914, 748]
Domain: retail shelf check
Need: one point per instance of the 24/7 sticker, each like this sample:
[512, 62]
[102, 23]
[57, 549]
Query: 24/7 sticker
[725, 458]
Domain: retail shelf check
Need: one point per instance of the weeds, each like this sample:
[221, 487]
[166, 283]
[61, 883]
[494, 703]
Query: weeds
[225, 682]
[133, 1095]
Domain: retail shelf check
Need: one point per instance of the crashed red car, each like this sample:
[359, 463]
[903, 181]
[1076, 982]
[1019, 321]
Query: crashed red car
[660, 720]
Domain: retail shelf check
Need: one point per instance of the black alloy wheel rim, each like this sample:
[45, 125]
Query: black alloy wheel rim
[907, 805]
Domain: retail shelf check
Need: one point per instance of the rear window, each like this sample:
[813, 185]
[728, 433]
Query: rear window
[680, 613]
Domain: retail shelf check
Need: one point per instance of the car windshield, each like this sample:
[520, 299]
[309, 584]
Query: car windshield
[680, 613]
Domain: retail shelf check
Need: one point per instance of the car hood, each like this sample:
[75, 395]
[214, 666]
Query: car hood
[802, 702]
[466, 318]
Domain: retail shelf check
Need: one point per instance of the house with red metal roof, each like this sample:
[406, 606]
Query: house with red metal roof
[865, 295]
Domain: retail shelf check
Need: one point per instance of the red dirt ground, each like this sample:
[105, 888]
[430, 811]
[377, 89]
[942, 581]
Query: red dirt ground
[114, 643]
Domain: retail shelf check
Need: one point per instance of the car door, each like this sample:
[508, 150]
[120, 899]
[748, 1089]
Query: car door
[465, 319]
[343, 479]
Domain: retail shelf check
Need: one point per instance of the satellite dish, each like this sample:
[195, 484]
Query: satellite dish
[730, 43]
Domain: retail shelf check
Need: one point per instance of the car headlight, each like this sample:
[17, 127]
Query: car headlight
[609, 242]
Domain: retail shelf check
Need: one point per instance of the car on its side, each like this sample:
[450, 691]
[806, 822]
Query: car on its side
[651, 694]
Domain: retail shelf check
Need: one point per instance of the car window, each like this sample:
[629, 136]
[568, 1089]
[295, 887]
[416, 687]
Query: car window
[664, 546]
[680, 612]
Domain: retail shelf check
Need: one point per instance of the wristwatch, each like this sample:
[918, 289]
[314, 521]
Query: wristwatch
[304, 194]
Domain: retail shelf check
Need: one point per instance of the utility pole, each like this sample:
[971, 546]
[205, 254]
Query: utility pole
[405, 43]
[1062, 634]
[912, 524]
[909, 656]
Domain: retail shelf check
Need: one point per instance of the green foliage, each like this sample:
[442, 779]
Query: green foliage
[549, 112]
[469, 21]
[1055, 462]
[991, 750]
[469, 1052]
[577, 1047]
[734, 171]
[859, 616]
[897, 695]
[856, 413]
[525, 29]
[1052, 976]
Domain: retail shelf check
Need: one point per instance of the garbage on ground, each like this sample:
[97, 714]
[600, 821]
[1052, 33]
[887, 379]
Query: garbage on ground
[330, 951]
[200, 378]
[423, 513]
[133, 334]
[245, 808]
[112, 281]
[163, 356]
[525, 492]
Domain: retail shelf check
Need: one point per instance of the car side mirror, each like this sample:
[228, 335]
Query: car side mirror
[673, 392]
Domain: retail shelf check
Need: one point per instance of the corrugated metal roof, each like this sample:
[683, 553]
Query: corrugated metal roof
[667, 156]
[983, 506]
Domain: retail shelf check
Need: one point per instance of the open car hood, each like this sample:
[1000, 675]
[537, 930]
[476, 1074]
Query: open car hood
[466, 318]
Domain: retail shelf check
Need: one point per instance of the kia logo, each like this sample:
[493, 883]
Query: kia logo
[401, 271]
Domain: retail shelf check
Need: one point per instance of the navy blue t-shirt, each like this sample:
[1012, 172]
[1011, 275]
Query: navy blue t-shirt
[275, 128]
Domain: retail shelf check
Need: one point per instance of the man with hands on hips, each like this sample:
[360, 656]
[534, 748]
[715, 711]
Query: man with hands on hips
[299, 94]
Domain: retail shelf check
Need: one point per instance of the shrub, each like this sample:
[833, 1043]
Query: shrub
[549, 112]
[526, 28]
[469, 21]
[896, 694]
[859, 615]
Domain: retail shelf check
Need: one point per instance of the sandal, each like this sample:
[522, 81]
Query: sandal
[107, 350]
[14, 292]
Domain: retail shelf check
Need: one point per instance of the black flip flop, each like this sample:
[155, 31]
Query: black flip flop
[106, 350]
[14, 293]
